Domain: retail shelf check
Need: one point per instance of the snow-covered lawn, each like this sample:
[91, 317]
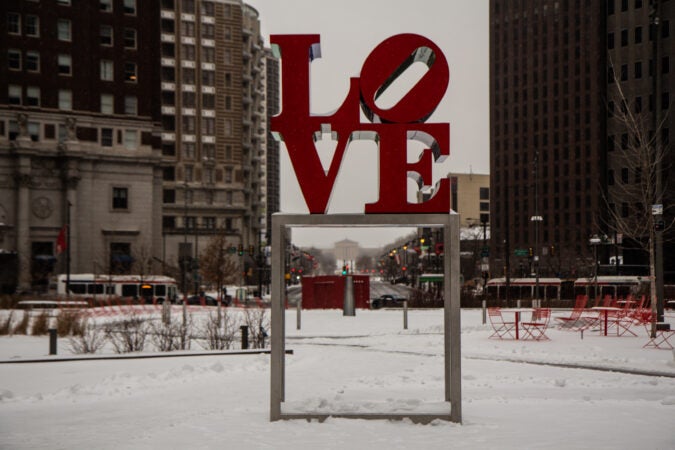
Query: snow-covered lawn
[516, 394]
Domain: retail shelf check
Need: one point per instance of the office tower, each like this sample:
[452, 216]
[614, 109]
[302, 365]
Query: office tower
[556, 149]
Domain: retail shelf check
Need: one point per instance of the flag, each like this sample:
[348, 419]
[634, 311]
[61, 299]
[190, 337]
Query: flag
[61, 243]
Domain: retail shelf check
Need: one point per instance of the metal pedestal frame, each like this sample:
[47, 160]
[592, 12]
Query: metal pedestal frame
[451, 317]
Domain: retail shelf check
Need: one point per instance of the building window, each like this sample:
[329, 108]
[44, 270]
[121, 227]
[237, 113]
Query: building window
[169, 174]
[63, 30]
[130, 72]
[209, 150]
[210, 223]
[32, 26]
[188, 75]
[14, 94]
[228, 127]
[188, 150]
[14, 59]
[32, 61]
[130, 7]
[13, 23]
[106, 5]
[207, 8]
[228, 56]
[131, 139]
[610, 40]
[129, 38]
[624, 175]
[228, 103]
[169, 222]
[106, 137]
[189, 173]
[485, 193]
[65, 99]
[106, 35]
[65, 65]
[208, 101]
[188, 52]
[208, 30]
[208, 54]
[33, 96]
[107, 70]
[228, 198]
[188, 99]
[107, 104]
[188, 6]
[63, 2]
[169, 196]
[638, 35]
[208, 125]
[209, 175]
[188, 28]
[228, 175]
[34, 131]
[188, 124]
[120, 198]
[484, 206]
[638, 69]
[665, 65]
[131, 105]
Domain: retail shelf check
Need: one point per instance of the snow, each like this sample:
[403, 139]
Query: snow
[568, 392]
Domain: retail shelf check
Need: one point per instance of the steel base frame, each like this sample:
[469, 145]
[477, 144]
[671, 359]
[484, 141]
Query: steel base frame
[451, 317]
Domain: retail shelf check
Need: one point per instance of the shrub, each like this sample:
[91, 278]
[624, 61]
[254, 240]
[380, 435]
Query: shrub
[88, 339]
[68, 322]
[22, 326]
[40, 324]
[128, 335]
[258, 324]
[6, 324]
[219, 331]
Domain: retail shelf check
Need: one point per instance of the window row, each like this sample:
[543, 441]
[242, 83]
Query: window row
[638, 107]
[106, 137]
[31, 24]
[128, 6]
[611, 7]
[190, 222]
[623, 74]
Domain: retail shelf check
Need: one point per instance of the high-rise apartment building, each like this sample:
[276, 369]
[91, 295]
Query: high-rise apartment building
[146, 120]
[556, 147]
[214, 121]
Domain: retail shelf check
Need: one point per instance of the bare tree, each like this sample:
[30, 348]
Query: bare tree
[216, 265]
[642, 153]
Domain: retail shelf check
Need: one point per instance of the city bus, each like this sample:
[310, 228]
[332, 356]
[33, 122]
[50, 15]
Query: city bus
[153, 288]
[614, 286]
[525, 288]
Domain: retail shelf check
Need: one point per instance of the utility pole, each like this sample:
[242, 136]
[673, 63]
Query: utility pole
[536, 218]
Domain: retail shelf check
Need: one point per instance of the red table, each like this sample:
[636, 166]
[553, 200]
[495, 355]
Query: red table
[517, 312]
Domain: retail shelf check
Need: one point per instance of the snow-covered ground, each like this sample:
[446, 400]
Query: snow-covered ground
[516, 394]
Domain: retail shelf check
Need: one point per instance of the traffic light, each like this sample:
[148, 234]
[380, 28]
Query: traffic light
[552, 250]
[530, 252]
[251, 250]
[344, 269]
[240, 250]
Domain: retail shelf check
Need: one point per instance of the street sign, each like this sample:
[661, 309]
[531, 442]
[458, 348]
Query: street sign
[520, 252]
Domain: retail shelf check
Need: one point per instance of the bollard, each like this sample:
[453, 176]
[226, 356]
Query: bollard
[244, 337]
[484, 310]
[348, 308]
[298, 314]
[405, 314]
[518, 303]
[52, 341]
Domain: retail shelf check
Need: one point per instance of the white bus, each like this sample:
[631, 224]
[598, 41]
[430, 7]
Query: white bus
[154, 288]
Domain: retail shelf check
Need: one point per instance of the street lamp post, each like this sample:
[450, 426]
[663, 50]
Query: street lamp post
[595, 241]
[536, 219]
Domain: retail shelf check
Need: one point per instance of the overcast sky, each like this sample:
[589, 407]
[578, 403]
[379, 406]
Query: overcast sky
[350, 30]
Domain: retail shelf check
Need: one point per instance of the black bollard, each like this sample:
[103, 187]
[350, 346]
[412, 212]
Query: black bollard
[244, 337]
[52, 341]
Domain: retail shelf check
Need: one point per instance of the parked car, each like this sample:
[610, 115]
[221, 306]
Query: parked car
[387, 301]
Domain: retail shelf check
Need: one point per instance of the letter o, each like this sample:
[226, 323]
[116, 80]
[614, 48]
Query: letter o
[389, 60]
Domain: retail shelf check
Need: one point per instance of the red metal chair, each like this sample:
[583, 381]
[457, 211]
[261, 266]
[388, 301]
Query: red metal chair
[574, 319]
[500, 327]
[536, 329]
[661, 338]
